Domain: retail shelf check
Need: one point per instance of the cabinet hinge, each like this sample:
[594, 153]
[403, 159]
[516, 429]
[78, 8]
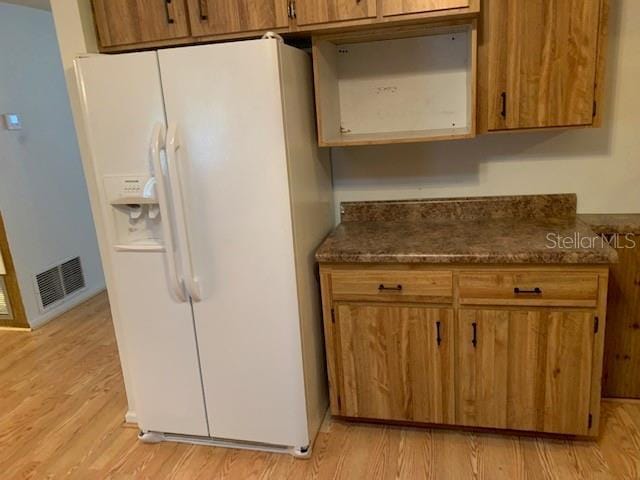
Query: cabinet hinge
[333, 316]
[596, 324]
[292, 9]
[590, 421]
[595, 108]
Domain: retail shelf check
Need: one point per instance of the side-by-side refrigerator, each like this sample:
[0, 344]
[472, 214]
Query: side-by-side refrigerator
[211, 196]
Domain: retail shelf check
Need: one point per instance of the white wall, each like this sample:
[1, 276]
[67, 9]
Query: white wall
[601, 165]
[43, 197]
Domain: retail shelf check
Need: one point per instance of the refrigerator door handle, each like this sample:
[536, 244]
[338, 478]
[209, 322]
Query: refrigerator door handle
[177, 286]
[175, 184]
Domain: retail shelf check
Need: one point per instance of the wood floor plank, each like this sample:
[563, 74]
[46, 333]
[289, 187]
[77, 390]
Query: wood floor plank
[62, 406]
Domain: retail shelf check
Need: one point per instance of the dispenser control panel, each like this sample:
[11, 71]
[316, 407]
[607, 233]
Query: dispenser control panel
[131, 187]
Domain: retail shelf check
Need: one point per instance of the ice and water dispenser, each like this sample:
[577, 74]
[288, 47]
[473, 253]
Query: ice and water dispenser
[135, 212]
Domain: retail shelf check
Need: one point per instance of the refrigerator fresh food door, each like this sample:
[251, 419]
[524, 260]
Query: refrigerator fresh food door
[226, 138]
[125, 123]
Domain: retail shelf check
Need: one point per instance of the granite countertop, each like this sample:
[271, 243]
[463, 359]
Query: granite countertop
[608, 223]
[486, 230]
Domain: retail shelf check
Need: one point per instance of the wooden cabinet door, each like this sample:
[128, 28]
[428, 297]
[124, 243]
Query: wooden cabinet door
[396, 363]
[212, 17]
[401, 7]
[542, 58]
[524, 370]
[622, 339]
[124, 22]
[309, 12]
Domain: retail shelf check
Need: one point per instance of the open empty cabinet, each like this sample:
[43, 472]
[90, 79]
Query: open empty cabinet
[396, 86]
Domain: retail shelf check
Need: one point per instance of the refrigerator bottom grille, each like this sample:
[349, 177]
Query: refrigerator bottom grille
[154, 437]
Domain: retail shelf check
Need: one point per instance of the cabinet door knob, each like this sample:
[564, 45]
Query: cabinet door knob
[438, 337]
[503, 112]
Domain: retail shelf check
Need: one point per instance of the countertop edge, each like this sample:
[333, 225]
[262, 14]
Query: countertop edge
[464, 260]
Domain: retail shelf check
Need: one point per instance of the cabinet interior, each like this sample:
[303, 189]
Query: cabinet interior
[418, 87]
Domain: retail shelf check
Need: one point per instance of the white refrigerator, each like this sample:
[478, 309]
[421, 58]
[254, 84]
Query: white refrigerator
[210, 196]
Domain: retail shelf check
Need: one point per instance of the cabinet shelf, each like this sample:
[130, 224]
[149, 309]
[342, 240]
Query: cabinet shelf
[396, 86]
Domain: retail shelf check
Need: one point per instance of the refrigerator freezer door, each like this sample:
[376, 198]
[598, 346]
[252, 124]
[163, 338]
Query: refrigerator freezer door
[226, 102]
[122, 102]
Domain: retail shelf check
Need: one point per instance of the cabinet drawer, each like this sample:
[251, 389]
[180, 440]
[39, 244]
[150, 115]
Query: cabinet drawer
[389, 285]
[529, 288]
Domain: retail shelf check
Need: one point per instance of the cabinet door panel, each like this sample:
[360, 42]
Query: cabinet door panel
[568, 372]
[622, 339]
[310, 12]
[530, 370]
[212, 17]
[123, 22]
[400, 7]
[542, 62]
[481, 369]
[392, 365]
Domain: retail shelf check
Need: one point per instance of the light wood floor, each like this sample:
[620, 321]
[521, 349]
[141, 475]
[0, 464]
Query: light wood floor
[62, 404]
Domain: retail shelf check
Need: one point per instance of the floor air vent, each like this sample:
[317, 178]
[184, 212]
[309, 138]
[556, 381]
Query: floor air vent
[59, 282]
[72, 276]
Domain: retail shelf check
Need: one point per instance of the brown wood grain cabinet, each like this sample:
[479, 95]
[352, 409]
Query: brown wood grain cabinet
[541, 63]
[397, 362]
[622, 345]
[403, 7]
[131, 22]
[310, 12]
[525, 370]
[431, 344]
[125, 25]
[214, 17]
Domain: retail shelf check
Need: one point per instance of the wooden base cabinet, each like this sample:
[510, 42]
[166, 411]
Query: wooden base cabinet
[525, 370]
[622, 351]
[397, 362]
[523, 363]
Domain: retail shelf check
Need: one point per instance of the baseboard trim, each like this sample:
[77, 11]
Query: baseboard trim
[131, 418]
[65, 307]
[15, 329]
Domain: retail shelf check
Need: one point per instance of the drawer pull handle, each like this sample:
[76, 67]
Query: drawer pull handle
[534, 291]
[474, 340]
[438, 337]
[167, 4]
[203, 8]
[396, 288]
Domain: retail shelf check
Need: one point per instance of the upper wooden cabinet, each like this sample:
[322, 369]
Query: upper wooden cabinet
[309, 12]
[401, 7]
[213, 17]
[129, 22]
[125, 25]
[540, 62]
